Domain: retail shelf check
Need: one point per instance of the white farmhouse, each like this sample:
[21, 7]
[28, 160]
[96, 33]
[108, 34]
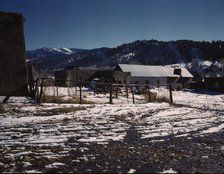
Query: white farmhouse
[154, 75]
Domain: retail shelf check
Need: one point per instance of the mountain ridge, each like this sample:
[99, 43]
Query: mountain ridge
[147, 52]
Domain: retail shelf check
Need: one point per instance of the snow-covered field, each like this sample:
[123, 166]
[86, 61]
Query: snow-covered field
[50, 125]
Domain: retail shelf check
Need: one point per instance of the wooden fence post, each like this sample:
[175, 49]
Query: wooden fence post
[149, 95]
[117, 88]
[75, 89]
[111, 93]
[94, 88]
[126, 87]
[57, 90]
[171, 95]
[37, 89]
[68, 89]
[80, 93]
[41, 90]
[31, 81]
[133, 96]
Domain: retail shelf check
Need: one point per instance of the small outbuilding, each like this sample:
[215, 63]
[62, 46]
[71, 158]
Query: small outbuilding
[84, 75]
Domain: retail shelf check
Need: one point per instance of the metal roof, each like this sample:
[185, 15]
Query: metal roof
[184, 71]
[152, 71]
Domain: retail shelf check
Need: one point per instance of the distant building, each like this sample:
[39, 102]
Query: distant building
[212, 79]
[61, 77]
[125, 73]
[155, 75]
[214, 83]
[83, 75]
[209, 83]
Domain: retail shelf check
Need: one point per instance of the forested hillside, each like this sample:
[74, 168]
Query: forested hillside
[148, 52]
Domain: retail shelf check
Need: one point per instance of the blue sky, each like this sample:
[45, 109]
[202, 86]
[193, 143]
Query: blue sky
[109, 23]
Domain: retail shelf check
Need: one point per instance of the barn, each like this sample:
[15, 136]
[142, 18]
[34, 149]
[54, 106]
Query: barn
[74, 76]
[80, 74]
[126, 73]
[13, 67]
[61, 77]
[154, 75]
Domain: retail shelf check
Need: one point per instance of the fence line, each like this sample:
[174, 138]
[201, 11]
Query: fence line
[107, 87]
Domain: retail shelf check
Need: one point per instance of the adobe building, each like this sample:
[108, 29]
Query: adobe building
[13, 66]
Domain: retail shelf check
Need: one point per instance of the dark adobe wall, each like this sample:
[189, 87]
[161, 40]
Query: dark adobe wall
[13, 67]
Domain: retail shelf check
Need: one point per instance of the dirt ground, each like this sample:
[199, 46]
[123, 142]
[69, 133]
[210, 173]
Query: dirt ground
[182, 155]
[187, 137]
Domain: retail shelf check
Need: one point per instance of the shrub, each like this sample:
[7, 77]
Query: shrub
[154, 97]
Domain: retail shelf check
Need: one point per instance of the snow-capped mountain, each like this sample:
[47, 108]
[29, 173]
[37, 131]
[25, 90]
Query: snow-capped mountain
[149, 52]
[50, 52]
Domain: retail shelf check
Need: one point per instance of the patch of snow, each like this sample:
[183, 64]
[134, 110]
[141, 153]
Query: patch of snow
[66, 50]
[206, 64]
[169, 171]
[222, 148]
[58, 50]
[126, 57]
[131, 171]
[213, 129]
[26, 164]
[54, 165]
[32, 171]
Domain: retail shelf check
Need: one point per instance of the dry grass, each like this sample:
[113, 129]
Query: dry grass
[60, 100]
[154, 97]
[2, 110]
